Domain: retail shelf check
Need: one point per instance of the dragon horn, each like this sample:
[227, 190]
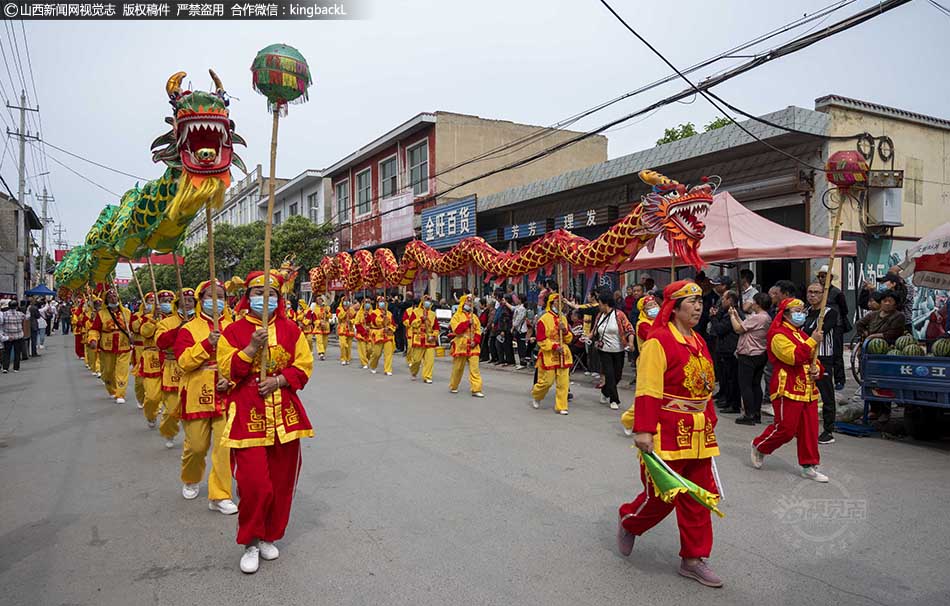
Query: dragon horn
[173, 87]
[219, 88]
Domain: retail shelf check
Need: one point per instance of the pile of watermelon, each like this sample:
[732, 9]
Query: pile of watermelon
[907, 345]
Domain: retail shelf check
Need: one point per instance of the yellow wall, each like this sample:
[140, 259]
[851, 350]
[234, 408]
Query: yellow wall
[921, 151]
[459, 137]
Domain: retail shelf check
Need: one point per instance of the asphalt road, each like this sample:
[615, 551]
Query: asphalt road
[411, 495]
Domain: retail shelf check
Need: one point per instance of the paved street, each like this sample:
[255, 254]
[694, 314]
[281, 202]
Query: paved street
[410, 495]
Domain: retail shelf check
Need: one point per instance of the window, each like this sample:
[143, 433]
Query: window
[276, 217]
[364, 192]
[387, 177]
[293, 210]
[343, 201]
[418, 160]
[312, 203]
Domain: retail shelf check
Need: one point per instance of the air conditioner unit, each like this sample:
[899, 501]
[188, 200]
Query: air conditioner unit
[884, 207]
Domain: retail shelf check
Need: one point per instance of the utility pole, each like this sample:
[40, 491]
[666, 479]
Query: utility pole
[59, 231]
[23, 246]
[45, 198]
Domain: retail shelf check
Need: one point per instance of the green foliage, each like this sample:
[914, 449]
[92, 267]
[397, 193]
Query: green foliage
[240, 250]
[717, 123]
[676, 133]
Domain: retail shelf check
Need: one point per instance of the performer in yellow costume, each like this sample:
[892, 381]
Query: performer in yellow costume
[203, 397]
[554, 357]
[137, 344]
[363, 343]
[345, 329]
[383, 335]
[649, 309]
[321, 326]
[424, 328]
[406, 321]
[93, 305]
[466, 340]
[149, 366]
[110, 333]
[165, 337]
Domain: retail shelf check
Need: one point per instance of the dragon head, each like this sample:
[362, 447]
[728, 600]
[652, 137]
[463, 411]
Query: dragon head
[202, 139]
[675, 212]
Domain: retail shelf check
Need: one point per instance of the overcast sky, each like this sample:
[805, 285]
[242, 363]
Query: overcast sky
[101, 85]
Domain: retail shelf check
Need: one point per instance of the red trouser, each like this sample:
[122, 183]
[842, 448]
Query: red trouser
[80, 347]
[792, 419]
[648, 510]
[266, 477]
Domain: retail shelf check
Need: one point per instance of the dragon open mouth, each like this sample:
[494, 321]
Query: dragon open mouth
[686, 215]
[204, 143]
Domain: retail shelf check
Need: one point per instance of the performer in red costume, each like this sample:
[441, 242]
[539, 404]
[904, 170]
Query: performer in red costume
[793, 389]
[265, 418]
[674, 418]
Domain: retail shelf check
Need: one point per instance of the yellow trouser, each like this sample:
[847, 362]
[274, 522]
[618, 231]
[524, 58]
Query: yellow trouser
[458, 366]
[410, 353]
[321, 343]
[92, 358]
[626, 419]
[169, 426]
[198, 439]
[345, 351]
[362, 348]
[153, 397]
[139, 390]
[561, 379]
[115, 371]
[384, 350]
[422, 357]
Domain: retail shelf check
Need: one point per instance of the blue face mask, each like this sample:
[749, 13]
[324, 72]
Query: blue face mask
[257, 304]
[189, 312]
[382, 306]
[165, 307]
[112, 305]
[207, 306]
[799, 317]
[149, 307]
[427, 304]
[367, 306]
[653, 312]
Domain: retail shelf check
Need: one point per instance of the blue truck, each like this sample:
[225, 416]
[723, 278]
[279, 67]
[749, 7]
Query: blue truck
[921, 384]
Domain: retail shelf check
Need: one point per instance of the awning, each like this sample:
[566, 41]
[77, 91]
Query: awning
[735, 233]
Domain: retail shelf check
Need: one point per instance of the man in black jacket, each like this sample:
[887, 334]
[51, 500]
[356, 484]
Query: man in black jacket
[838, 302]
[720, 327]
[827, 351]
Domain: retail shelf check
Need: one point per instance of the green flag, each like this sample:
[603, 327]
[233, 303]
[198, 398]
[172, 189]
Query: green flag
[667, 484]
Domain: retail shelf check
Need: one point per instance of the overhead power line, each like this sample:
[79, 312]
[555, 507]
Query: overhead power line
[82, 176]
[93, 162]
[787, 48]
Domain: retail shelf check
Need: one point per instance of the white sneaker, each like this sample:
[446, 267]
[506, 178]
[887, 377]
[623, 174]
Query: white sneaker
[562, 412]
[140, 405]
[250, 561]
[342, 362]
[189, 491]
[757, 458]
[427, 381]
[518, 366]
[98, 375]
[364, 366]
[269, 551]
[586, 373]
[453, 391]
[603, 399]
[478, 394]
[121, 401]
[151, 424]
[373, 371]
[225, 506]
[614, 406]
[170, 443]
[811, 473]
[627, 432]
[413, 378]
[535, 404]
[595, 375]
[389, 374]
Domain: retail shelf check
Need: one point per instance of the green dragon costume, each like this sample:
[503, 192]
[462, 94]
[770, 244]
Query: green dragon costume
[198, 152]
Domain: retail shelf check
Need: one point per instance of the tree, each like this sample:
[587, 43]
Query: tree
[717, 123]
[677, 132]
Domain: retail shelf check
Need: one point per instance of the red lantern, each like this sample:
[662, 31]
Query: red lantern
[846, 169]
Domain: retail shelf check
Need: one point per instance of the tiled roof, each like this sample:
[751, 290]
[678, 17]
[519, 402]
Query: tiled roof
[883, 110]
[698, 145]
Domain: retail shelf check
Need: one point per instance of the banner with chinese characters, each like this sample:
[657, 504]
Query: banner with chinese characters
[446, 225]
[531, 229]
[581, 218]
